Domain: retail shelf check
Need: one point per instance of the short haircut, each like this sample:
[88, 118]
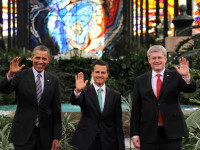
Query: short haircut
[41, 48]
[101, 63]
[156, 48]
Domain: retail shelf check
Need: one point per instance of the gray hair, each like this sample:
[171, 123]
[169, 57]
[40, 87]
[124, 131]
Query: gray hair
[41, 48]
[156, 48]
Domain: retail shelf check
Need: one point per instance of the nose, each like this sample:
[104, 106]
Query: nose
[40, 61]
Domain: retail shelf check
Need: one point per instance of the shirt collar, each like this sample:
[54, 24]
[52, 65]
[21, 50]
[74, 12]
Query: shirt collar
[155, 73]
[36, 73]
[97, 88]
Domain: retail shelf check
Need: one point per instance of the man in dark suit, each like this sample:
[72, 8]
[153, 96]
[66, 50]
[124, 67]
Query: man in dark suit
[37, 121]
[157, 122]
[100, 127]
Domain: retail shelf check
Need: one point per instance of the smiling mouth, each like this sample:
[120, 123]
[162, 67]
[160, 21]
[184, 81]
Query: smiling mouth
[40, 66]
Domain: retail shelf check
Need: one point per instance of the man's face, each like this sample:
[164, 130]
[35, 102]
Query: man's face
[100, 75]
[157, 61]
[40, 60]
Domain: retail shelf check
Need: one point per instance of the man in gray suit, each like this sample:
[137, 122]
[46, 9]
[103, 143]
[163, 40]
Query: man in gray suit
[37, 121]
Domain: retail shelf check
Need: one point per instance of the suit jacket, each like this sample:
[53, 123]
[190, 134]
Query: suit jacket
[108, 123]
[144, 115]
[48, 109]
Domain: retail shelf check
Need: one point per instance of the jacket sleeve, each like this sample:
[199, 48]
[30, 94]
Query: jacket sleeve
[57, 113]
[136, 112]
[6, 86]
[188, 88]
[79, 100]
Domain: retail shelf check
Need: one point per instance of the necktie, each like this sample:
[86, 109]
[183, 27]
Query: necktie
[38, 88]
[39, 94]
[159, 83]
[100, 98]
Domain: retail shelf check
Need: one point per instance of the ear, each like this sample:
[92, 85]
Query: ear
[31, 57]
[165, 59]
[49, 59]
[148, 60]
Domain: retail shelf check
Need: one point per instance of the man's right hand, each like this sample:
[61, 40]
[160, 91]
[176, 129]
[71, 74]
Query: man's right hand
[136, 142]
[80, 84]
[14, 66]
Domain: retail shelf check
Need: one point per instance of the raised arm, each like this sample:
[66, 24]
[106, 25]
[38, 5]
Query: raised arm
[80, 84]
[14, 66]
[183, 69]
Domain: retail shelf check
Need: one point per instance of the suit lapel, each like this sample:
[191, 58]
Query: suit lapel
[32, 85]
[149, 76]
[94, 98]
[47, 83]
[107, 99]
[165, 81]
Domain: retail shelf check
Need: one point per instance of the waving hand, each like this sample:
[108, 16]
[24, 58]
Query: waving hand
[14, 66]
[183, 69]
[80, 84]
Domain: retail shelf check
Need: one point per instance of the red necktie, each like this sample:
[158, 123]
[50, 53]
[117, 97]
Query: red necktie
[159, 83]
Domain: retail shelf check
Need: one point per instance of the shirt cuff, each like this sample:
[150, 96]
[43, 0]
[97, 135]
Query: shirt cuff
[9, 78]
[76, 94]
[136, 136]
[187, 80]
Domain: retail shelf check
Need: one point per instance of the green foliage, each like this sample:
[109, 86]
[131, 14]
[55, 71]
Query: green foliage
[4, 133]
[127, 101]
[193, 141]
[4, 120]
[4, 143]
[193, 120]
[69, 125]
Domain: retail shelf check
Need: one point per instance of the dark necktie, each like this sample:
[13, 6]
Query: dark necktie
[38, 88]
[100, 98]
[159, 83]
[39, 94]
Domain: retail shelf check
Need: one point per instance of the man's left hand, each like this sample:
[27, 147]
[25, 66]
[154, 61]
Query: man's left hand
[183, 69]
[55, 144]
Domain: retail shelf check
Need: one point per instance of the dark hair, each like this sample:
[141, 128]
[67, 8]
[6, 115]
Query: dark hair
[101, 63]
[41, 48]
